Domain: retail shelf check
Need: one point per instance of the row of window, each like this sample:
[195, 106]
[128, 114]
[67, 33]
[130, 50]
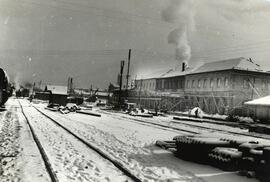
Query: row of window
[170, 84]
[147, 85]
[201, 83]
[208, 83]
[265, 84]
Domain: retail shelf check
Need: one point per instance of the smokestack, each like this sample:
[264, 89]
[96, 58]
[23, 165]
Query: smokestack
[183, 66]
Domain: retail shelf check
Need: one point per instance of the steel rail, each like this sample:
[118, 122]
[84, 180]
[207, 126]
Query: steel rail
[117, 164]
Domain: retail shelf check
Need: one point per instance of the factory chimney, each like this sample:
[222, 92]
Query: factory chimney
[184, 66]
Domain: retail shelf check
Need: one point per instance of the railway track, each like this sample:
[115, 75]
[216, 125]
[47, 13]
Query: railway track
[92, 148]
[193, 126]
[60, 116]
[143, 122]
[44, 156]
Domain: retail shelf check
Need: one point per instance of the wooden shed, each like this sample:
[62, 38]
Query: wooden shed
[58, 94]
[260, 108]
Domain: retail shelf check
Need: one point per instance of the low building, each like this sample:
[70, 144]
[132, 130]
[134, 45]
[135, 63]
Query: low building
[42, 95]
[103, 97]
[260, 108]
[58, 94]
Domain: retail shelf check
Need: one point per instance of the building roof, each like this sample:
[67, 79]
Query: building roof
[236, 64]
[102, 93]
[177, 72]
[57, 89]
[240, 63]
[263, 101]
[156, 74]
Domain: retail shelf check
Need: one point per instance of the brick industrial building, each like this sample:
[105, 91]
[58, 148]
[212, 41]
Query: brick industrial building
[216, 87]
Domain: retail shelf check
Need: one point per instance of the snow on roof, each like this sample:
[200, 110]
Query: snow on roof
[236, 63]
[263, 101]
[177, 72]
[57, 89]
[240, 63]
[102, 93]
[156, 74]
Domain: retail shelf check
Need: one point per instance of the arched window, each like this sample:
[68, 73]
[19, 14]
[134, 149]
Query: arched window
[246, 83]
[188, 84]
[218, 82]
[193, 84]
[204, 83]
[226, 82]
[212, 83]
[199, 83]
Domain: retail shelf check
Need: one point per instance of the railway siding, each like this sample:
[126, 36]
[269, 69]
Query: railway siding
[141, 159]
[19, 157]
[70, 159]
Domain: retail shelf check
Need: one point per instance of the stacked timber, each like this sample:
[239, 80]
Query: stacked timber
[251, 158]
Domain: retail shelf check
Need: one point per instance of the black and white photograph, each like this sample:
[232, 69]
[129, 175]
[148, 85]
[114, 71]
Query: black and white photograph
[134, 90]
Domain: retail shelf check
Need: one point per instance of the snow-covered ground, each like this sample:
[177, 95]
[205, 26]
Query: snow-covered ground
[132, 144]
[70, 159]
[169, 121]
[199, 127]
[19, 157]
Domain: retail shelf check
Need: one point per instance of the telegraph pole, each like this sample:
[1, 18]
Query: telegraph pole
[129, 56]
[120, 81]
[140, 92]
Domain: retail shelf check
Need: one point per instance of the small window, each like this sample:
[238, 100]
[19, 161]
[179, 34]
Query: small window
[193, 84]
[265, 85]
[211, 83]
[199, 83]
[246, 83]
[204, 83]
[218, 82]
[179, 83]
[226, 82]
[188, 84]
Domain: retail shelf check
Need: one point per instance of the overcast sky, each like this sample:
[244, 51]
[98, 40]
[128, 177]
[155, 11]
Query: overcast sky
[86, 39]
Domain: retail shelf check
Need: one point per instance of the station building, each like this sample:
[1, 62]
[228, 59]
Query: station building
[216, 87]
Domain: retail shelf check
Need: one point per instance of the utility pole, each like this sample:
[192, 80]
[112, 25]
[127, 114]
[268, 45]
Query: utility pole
[33, 88]
[120, 81]
[140, 92]
[39, 86]
[129, 56]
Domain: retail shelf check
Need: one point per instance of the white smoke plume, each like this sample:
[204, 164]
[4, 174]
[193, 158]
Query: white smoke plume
[180, 12]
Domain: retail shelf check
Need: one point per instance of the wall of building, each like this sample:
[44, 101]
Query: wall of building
[211, 81]
[214, 92]
[146, 84]
[171, 84]
[58, 99]
[220, 92]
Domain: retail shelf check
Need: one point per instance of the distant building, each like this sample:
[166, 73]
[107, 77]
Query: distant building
[216, 87]
[103, 97]
[260, 108]
[58, 94]
[42, 95]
